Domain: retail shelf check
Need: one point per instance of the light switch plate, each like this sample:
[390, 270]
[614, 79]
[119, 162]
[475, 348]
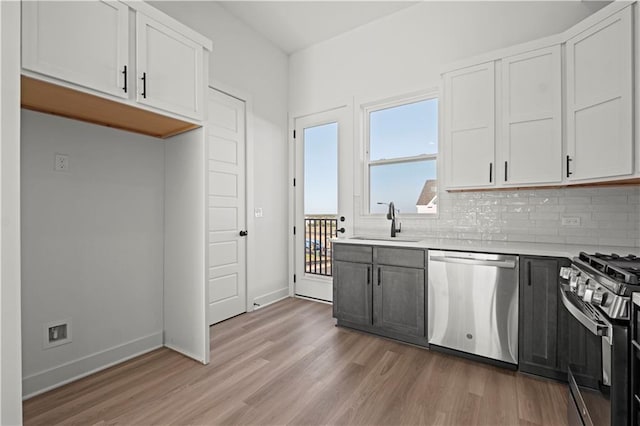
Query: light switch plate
[258, 212]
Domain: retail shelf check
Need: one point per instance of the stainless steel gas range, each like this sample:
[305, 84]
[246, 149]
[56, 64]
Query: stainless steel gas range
[596, 290]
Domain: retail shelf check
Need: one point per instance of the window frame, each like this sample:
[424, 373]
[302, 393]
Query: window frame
[387, 103]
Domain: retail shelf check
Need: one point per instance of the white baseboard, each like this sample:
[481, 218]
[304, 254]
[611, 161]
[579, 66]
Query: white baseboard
[185, 353]
[52, 378]
[313, 299]
[271, 298]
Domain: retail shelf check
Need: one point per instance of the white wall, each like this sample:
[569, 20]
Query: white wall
[92, 246]
[245, 61]
[10, 346]
[404, 53]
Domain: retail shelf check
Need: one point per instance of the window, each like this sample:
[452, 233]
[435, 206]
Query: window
[401, 155]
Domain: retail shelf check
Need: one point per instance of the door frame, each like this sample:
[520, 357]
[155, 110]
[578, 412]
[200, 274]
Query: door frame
[250, 255]
[346, 157]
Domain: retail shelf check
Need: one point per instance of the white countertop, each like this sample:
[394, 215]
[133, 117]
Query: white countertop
[513, 247]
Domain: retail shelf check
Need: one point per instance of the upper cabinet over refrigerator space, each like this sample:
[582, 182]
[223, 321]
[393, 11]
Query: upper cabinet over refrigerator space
[121, 64]
[169, 68]
[84, 43]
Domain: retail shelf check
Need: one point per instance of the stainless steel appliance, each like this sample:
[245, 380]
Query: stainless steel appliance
[596, 290]
[473, 303]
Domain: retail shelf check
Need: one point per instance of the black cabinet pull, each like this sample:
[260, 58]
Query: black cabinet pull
[505, 171]
[569, 172]
[124, 72]
[528, 273]
[368, 275]
[144, 85]
[490, 172]
[379, 277]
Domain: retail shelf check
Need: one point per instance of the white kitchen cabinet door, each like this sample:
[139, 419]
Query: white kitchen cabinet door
[599, 100]
[80, 42]
[531, 143]
[469, 129]
[169, 68]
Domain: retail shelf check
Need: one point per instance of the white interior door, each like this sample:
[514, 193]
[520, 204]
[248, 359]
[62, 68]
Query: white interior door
[227, 215]
[323, 168]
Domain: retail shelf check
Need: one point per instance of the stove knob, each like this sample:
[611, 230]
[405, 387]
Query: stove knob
[573, 282]
[581, 286]
[588, 295]
[565, 273]
[599, 297]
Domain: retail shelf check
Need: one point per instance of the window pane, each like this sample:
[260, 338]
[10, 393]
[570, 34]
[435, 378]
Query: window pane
[411, 186]
[404, 131]
[321, 169]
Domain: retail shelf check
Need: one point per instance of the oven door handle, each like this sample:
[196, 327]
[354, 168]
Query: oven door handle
[597, 328]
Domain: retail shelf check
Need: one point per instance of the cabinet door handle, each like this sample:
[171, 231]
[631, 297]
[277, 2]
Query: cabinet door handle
[368, 275]
[528, 273]
[144, 85]
[505, 171]
[490, 172]
[379, 277]
[124, 72]
[569, 160]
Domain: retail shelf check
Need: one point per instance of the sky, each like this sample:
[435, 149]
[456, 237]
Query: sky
[321, 169]
[402, 131]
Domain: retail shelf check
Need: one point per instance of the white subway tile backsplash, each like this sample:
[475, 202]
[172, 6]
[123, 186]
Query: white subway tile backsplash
[609, 199]
[608, 216]
[538, 216]
[575, 200]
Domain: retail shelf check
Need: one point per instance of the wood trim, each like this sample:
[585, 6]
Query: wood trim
[42, 96]
[622, 182]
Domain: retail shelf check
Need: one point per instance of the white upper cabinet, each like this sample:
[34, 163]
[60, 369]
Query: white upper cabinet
[599, 100]
[169, 68]
[469, 127]
[531, 143]
[80, 42]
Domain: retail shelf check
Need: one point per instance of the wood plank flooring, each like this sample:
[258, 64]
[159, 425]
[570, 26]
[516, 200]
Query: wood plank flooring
[288, 364]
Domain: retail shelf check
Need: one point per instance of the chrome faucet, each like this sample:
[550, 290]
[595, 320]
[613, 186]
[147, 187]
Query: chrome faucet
[391, 215]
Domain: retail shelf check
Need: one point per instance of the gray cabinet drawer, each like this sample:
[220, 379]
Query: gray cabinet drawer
[411, 258]
[353, 253]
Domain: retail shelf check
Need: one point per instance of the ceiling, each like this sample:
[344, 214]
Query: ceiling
[295, 25]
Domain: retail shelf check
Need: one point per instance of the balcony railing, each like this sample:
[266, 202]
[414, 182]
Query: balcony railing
[318, 231]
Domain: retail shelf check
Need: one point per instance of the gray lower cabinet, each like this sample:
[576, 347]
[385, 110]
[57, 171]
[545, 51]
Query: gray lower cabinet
[351, 299]
[381, 290]
[398, 300]
[542, 343]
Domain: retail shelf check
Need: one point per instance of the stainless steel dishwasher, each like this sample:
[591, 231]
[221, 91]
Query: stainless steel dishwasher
[473, 303]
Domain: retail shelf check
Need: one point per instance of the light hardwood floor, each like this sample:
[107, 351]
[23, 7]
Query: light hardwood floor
[288, 364]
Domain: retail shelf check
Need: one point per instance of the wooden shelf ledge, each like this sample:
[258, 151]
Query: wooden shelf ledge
[620, 182]
[49, 98]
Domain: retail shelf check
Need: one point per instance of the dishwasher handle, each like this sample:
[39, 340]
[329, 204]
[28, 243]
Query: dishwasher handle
[509, 264]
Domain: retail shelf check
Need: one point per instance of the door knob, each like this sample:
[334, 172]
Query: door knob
[341, 230]
[244, 233]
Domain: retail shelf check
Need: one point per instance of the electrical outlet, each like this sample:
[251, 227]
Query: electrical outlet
[571, 221]
[57, 333]
[258, 212]
[62, 163]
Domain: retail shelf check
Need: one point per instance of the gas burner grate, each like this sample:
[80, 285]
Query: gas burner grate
[622, 269]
